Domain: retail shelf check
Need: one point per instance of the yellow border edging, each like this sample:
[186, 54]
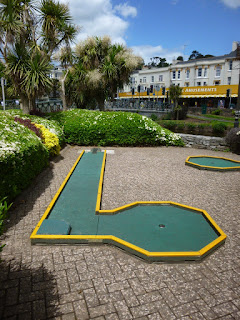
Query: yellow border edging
[203, 251]
[56, 197]
[217, 168]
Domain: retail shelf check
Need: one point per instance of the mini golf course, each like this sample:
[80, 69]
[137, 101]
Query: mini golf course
[156, 231]
[213, 163]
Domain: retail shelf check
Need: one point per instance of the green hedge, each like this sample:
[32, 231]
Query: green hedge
[22, 157]
[85, 127]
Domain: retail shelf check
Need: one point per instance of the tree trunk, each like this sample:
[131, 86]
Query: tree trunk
[100, 102]
[63, 92]
[24, 104]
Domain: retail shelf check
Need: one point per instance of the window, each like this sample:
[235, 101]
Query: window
[179, 74]
[218, 71]
[230, 65]
[187, 84]
[205, 72]
[144, 79]
[217, 83]
[229, 80]
[198, 83]
[205, 83]
[152, 78]
[199, 72]
[133, 80]
[174, 74]
[188, 73]
[161, 78]
[140, 80]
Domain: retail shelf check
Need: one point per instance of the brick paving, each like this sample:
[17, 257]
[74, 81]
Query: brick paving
[103, 282]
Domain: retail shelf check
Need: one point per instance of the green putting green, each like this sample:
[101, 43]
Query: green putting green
[213, 163]
[156, 231]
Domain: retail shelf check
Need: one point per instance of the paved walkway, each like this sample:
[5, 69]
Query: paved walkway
[103, 282]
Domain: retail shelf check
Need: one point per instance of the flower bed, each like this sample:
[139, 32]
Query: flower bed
[22, 156]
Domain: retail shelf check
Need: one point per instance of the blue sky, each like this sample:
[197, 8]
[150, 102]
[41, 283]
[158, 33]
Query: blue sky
[165, 28]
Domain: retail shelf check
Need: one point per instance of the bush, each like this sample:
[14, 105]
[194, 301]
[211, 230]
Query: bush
[180, 126]
[170, 124]
[153, 117]
[27, 123]
[85, 127]
[50, 140]
[216, 112]
[180, 112]
[3, 214]
[22, 157]
[219, 128]
[233, 140]
[191, 127]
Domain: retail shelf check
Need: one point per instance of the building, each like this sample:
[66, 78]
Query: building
[203, 80]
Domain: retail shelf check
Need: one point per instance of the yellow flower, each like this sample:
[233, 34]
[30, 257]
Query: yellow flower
[49, 139]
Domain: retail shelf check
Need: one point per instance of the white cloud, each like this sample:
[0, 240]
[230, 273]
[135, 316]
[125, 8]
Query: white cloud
[147, 52]
[99, 18]
[125, 10]
[234, 4]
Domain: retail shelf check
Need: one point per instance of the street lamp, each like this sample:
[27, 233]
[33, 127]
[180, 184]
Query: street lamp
[3, 83]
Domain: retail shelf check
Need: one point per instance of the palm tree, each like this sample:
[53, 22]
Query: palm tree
[99, 69]
[29, 36]
[175, 93]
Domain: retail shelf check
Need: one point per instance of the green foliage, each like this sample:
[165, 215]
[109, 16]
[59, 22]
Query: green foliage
[99, 69]
[3, 215]
[85, 127]
[153, 117]
[219, 128]
[233, 140]
[216, 112]
[191, 126]
[22, 156]
[170, 124]
[201, 127]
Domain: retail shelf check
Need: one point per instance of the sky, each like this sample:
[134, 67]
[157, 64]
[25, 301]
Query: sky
[162, 28]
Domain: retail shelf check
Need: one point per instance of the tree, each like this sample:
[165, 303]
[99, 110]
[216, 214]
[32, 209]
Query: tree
[195, 55]
[29, 35]
[180, 58]
[158, 62]
[99, 70]
[175, 93]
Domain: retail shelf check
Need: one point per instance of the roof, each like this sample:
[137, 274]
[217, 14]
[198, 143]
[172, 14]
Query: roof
[230, 55]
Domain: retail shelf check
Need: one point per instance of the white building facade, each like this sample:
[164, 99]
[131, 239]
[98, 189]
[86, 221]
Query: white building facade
[199, 78]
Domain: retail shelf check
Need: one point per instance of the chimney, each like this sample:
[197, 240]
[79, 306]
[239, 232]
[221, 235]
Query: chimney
[235, 45]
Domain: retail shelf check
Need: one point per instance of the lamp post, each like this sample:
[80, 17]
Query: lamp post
[3, 82]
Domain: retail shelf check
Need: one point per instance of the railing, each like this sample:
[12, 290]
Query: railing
[49, 106]
[127, 105]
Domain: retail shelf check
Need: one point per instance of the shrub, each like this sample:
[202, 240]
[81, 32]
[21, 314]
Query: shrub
[201, 127]
[191, 127]
[219, 128]
[233, 140]
[170, 124]
[22, 156]
[3, 214]
[216, 112]
[85, 127]
[27, 123]
[153, 117]
[50, 140]
[180, 126]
